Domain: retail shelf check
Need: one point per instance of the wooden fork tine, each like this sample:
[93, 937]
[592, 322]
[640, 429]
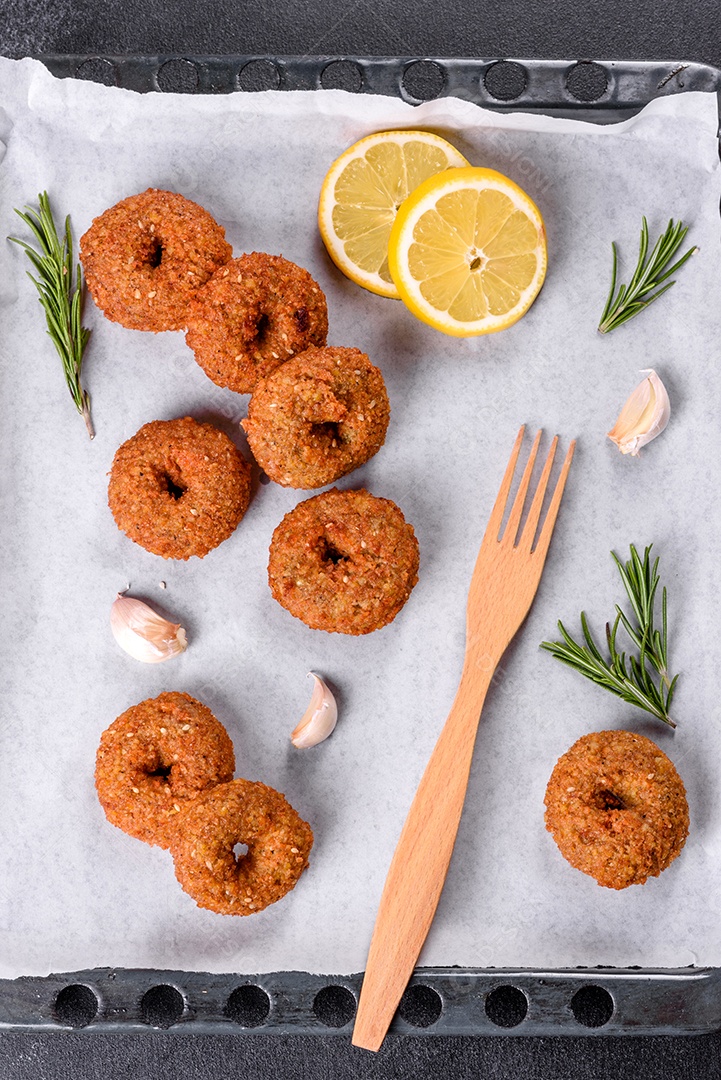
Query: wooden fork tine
[529, 529]
[499, 507]
[547, 531]
[514, 518]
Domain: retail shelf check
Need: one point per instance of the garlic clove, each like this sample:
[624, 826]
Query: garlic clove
[142, 633]
[643, 417]
[319, 719]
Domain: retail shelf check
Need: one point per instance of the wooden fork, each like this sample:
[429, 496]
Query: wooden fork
[505, 579]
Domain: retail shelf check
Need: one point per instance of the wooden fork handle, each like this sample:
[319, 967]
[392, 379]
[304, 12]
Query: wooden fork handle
[419, 866]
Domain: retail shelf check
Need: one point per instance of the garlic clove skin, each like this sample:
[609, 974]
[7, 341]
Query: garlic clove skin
[142, 633]
[643, 417]
[319, 719]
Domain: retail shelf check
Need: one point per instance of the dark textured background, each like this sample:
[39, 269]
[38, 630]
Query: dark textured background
[646, 29]
[665, 29]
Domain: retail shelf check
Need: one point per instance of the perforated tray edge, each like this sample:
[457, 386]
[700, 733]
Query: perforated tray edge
[439, 1001]
[604, 90]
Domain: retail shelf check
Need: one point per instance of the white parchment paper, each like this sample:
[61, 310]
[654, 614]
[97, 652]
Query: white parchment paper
[74, 891]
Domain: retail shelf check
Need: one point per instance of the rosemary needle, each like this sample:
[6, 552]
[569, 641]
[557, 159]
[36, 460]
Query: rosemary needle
[643, 680]
[649, 275]
[62, 300]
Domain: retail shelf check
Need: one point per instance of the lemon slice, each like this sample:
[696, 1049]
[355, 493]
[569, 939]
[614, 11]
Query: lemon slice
[468, 252]
[361, 194]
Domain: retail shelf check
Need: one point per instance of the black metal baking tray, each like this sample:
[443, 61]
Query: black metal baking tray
[438, 1001]
[600, 92]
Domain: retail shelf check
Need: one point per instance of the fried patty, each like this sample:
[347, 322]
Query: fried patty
[178, 488]
[343, 561]
[145, 257]
[318, 417]
[617, 808]
[256, 312]
[154, 758]
[241, 812]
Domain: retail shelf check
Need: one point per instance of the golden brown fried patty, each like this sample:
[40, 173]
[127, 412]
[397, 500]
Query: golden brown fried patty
[154, 758]
[617, 808]
[145, 257]
[253, 314]
[178, 488]
[343, 561]
[241, 812]
[318, 417]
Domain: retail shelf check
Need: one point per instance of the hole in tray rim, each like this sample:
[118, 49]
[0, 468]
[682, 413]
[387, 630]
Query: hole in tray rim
[334, 1006]
[248, 1005]
[76, 1005]
[259, 74]
[97, 69]
[587, 81]
[505, 80]
[178, 76]
[592, 1006]
[342, 75]
[506, 1006]
[422, 80]
[162, 1006]
[421, 1006]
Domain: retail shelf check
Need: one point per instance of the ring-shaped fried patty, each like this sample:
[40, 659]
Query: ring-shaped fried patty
[154, 758]
[317, 417]
[256, 312]
[343, 561]
[243, 812]
[145, 257]
[617, 808]
[178, 487]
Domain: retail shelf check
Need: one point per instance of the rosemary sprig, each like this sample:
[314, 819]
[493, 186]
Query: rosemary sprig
[643, 680]
[62, 301]
[648, 275]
